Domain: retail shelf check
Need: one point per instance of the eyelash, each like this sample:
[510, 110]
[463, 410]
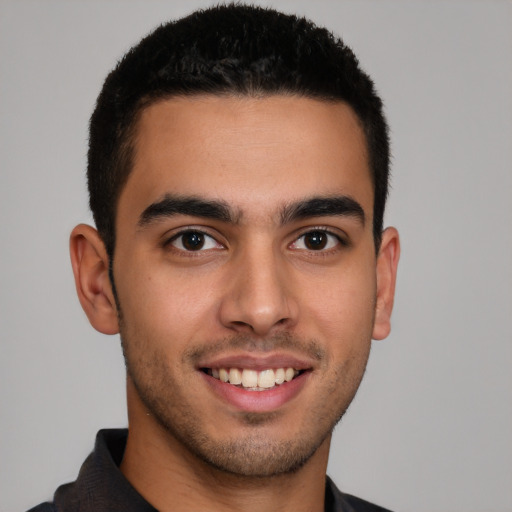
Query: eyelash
[338, 241]
[198, 232]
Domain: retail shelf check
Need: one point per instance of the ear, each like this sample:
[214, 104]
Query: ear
[90, 266]
[387, 263]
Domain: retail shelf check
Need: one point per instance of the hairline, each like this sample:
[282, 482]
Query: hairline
[124, 160]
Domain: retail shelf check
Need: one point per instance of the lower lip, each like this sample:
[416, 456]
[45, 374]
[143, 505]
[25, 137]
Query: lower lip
[257, 401]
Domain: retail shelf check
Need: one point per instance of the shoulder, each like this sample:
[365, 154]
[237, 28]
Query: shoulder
[44, 507]
[358, 505]
[337, 501]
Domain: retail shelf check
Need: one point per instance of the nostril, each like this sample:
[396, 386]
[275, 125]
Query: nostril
[239, 323]
[259, 326]
[256, 309]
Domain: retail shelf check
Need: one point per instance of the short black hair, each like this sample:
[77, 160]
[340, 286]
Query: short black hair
[233, 49]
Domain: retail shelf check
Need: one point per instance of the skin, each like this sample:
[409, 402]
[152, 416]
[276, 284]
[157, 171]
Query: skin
[256, 292]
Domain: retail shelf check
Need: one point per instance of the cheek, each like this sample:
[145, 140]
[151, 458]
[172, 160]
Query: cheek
[164, 308]
[343, 310]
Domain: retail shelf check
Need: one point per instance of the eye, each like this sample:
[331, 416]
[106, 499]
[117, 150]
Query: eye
[194, 241]
[317, 240]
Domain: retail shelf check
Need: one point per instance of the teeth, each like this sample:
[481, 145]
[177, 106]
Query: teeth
[235, 376]
[249, 378]
[267, 379]
[280, 376]
[252, 379]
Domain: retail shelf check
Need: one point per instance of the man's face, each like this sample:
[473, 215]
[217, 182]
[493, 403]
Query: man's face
[244, 248]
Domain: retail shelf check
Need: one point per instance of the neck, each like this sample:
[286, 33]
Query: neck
[170, 477]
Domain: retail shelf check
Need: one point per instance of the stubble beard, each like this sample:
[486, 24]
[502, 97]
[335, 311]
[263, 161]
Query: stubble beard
[252, 454]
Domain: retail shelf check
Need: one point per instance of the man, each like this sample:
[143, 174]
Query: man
[237, 172]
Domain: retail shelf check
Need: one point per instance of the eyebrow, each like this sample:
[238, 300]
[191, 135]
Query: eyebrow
[195, 207]
[323, 206]
[172, 205]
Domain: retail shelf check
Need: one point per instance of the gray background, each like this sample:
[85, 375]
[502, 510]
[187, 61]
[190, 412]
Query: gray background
[431, 429]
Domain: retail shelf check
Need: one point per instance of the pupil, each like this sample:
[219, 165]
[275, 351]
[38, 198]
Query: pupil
[316, 240]
[193, 241]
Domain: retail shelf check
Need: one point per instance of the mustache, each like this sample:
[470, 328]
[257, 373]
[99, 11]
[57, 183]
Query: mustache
[246, 343]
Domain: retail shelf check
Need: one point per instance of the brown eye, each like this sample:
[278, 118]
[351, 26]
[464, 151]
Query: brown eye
[194, 241]
[316, 240]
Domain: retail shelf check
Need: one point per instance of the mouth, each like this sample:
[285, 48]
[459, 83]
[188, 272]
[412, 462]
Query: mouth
[256, 384]
[253, 380]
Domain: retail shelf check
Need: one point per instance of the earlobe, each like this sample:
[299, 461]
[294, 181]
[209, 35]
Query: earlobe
[90, 267]
[387, 263]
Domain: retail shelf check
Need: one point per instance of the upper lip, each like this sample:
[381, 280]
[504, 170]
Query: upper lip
[258, 363]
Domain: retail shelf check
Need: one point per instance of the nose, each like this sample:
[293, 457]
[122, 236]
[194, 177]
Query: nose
[258, 296]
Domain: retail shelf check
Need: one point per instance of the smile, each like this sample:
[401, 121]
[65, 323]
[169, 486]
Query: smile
[254, 380]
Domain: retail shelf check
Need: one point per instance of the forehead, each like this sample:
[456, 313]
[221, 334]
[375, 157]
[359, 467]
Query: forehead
[249, 152]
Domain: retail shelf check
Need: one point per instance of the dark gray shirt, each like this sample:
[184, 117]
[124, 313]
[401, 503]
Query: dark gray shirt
[101, 487]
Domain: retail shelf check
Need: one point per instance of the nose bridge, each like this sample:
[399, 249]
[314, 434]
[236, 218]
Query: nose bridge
[258, 296]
